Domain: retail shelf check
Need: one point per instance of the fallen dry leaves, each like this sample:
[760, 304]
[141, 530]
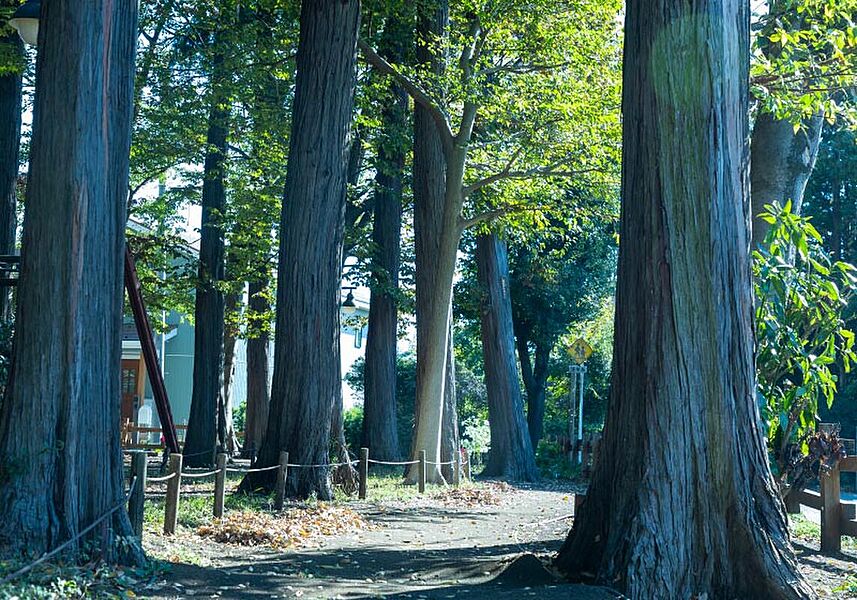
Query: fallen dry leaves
[289, 529]
[491, 494]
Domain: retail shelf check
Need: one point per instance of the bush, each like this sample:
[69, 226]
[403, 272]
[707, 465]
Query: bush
[353, 424]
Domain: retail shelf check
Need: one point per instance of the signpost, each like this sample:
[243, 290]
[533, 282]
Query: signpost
[580, 352]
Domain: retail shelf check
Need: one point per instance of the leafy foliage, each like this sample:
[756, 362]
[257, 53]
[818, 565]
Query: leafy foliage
[805, 58]
[801, 294]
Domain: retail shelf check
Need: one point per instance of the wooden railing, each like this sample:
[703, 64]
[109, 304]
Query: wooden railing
[837, 518]
[130, 436]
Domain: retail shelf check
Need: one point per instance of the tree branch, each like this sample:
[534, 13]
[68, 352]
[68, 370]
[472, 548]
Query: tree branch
[551, 171]
[419, 95]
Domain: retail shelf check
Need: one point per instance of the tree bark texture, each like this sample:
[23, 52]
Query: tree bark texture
[258, 392]
[226, 438]
[60, 456]
[380, 431]
[437, 234]
[201, 441]
[10, 141]
[682, 503]
[511, 454]
[306, 361]
[449, 435]
[781, 163]
[534, 373]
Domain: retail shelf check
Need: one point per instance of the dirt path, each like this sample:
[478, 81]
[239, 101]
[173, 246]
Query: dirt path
[419, 549]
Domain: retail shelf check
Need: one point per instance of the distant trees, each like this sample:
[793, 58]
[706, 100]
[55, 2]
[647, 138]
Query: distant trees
[379, 398]
[454, 158]
[511, 455]
[60, 460]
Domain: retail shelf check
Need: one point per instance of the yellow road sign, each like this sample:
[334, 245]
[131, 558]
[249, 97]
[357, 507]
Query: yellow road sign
[580, 351]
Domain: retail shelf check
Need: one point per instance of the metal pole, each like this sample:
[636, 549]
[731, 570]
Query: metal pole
[582, 370]
[572, 389]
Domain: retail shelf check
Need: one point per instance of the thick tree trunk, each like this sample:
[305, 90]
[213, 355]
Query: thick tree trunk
[201, 441]
[682, 503]
[436, 244]
[781, 163]
[535, 381]
[226, 438]
[59, 426]
[10, 139]
[258, 392]
[380, 431]
[307, 364]
[511, 455]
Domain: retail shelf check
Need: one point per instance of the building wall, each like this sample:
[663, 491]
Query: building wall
[178, 366]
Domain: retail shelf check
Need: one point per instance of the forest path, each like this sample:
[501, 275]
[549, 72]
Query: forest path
[425, 548]
[422, 548]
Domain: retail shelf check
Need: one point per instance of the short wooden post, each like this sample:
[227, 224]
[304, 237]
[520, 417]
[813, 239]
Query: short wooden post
[422, 472]
[138, 494]
[456, 468]
[282, 474]
[467, 465]
[364, 473]
[831, 511]
[171, 507]
[220, 485]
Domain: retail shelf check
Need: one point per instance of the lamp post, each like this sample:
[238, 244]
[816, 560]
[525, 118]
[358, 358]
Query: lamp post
[348, 305]
[25, 21]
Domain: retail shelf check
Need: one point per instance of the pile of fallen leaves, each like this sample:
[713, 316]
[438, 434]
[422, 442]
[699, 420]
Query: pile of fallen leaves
[491, 494]
[295, 527]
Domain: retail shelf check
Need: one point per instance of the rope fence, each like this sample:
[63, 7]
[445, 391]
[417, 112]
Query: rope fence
[67, 543]
[175, 474]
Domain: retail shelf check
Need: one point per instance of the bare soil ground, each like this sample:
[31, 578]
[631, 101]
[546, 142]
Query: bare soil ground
[443, 545]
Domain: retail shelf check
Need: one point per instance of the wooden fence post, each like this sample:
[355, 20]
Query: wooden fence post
[467, 465]
[364, 473]
[422, 472]
[220, 485]
[831, 511]
[171, 506]
[456, 468]
[138, 494]
[282, 474]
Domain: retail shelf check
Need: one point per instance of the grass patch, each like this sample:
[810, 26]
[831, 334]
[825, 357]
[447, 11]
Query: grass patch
[805, 530]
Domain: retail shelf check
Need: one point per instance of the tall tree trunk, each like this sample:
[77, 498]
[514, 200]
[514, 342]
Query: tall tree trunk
[449, 441]
[10, 139]
[431, 248]
[380, 431]
[226, 437]
[535, 380]
[307, 367]
[511, 455]
[59, 425]
[258, 392]
[682, 503]
[201, 442]
[781, 163]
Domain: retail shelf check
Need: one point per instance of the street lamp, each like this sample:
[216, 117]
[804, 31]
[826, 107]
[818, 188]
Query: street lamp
[26, 21]
[348, 306]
